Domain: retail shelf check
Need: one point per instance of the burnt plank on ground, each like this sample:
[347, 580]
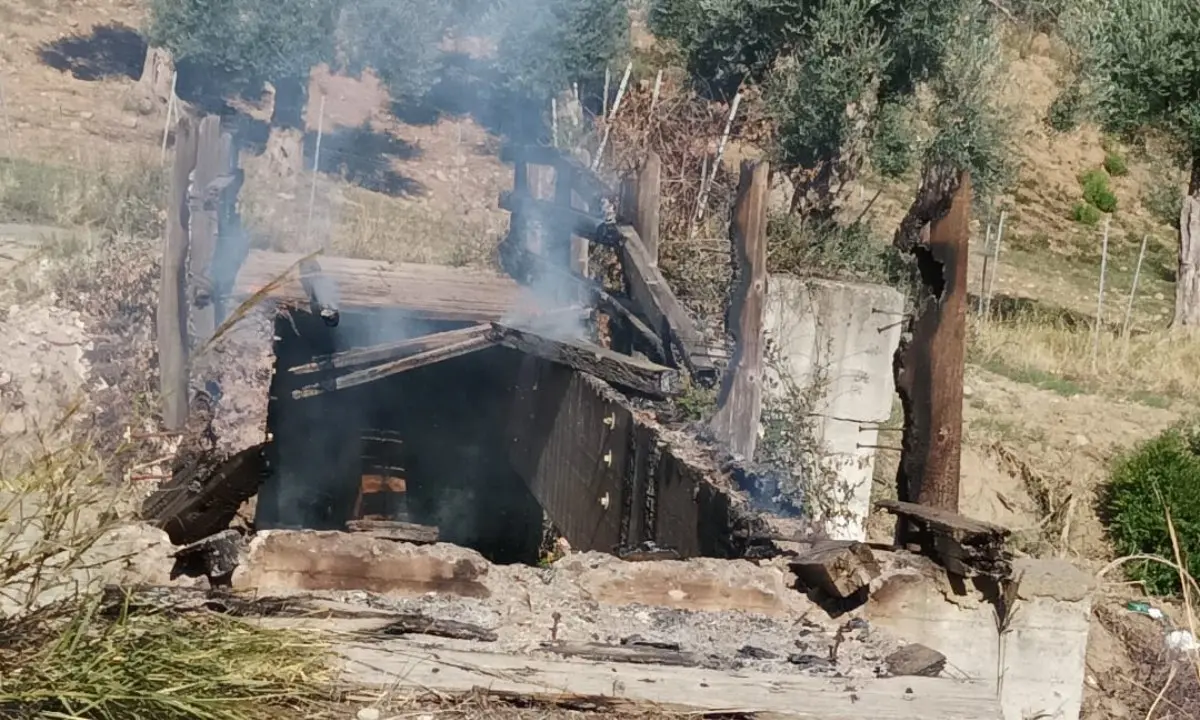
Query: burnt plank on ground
[620, 370]
[964, 546]
[395, 530]
[202, 497]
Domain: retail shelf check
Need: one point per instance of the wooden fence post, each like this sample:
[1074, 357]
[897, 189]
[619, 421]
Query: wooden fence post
[172, 301]
[929, 366]
[739, 404]
[646, 211]
[204, 205]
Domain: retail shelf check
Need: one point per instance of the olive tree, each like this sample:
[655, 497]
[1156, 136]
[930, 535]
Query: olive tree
[1139, 67]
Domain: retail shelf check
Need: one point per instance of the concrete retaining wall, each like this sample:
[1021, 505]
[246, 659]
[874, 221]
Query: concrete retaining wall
[838, 338]
[1036, 662]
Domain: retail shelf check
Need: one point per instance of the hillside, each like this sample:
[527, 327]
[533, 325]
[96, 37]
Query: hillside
[80, 148]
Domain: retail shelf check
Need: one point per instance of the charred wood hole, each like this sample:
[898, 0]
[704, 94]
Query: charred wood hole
[931, 271]
[427, 449]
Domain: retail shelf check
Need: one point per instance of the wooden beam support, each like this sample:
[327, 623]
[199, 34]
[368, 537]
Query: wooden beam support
[620, 370]
[739, 404]
[389, 351]
[929, 366]
[647, 207]
[658, 304]
[172, 298]
[581, 223]
[204, 229]
[394, 367]
[964, 546]
[589, 185]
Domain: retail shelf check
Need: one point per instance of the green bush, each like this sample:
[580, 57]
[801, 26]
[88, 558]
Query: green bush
[1115, 165]
[1086, 214]
[1159, 475]
[1064, 113]
[1096, 191]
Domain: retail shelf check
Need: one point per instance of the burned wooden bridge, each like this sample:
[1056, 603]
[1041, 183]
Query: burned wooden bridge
[476, 400]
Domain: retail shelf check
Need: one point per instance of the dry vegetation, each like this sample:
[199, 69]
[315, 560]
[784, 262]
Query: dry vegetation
[1024, 450]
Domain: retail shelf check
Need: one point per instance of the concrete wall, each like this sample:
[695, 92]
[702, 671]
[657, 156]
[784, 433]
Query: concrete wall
[838, 337]
[1036, 664]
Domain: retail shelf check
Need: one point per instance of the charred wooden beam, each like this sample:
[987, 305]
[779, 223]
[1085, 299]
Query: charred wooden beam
[394, 367]
[596, 228]
[389, 351]
[648, 341]
[202, 497]
[928, 366]
[321, 291]
[216, 556]
[658, 304]
[640, 654]
[839, 569]
[619, 370]
[964, 546]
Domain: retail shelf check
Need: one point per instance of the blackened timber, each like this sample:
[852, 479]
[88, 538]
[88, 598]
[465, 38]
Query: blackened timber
[963, 545]
[389, 351]
[661, 308]
[201, 499]
[394, 367]
[593, 227]
[620, 370]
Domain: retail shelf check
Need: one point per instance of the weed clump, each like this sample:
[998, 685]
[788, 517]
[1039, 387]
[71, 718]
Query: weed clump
[1160, 475]
[1086, 213]
[1115, 165]
[1096, 191]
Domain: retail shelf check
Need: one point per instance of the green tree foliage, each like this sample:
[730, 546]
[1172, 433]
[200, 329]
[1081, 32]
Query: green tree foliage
[546, 45]
[248, 40]
[841, 77]
[1160, 475]
[1140, 60]
[398, 39]
[1096, 191]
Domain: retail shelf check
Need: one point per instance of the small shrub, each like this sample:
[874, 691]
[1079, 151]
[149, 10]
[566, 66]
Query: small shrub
[1085, 213]
[827, 249]
[1161, 474]
[1115, 165]
[1164, 200]
[1096, 191]
[1065, 112]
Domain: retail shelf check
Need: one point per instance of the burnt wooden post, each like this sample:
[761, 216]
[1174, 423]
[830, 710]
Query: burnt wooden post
[172, 302]
[564, 196]
[739, 404]
[205, 213]
[929, 365]
[647, 204]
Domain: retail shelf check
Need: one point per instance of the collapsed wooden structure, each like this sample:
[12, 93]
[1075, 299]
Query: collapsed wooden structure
[471, 374]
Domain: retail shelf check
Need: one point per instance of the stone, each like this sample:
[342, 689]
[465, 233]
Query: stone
[915, 659]
[367, 713]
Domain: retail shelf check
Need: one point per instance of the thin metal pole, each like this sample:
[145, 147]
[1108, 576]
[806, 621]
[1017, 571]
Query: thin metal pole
[312, 192]
[1137, 273]
[1100, 295]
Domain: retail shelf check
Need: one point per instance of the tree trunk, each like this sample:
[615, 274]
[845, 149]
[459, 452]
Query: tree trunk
[158, 74]
[1187, 283]
[285, 144]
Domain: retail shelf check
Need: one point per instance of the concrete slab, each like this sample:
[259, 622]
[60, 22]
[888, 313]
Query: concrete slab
[837, 338]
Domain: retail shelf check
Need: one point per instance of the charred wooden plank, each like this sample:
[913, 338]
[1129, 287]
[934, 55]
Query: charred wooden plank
[964, 546]
[389, 351]
[415, 623]
[620, 370]
[394, 367]
[639, 654]
[201, 499]
[836, 569]
[395, 530]
[661, 308]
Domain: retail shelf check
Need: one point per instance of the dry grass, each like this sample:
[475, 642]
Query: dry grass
[112, 198]
[1154, 367]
